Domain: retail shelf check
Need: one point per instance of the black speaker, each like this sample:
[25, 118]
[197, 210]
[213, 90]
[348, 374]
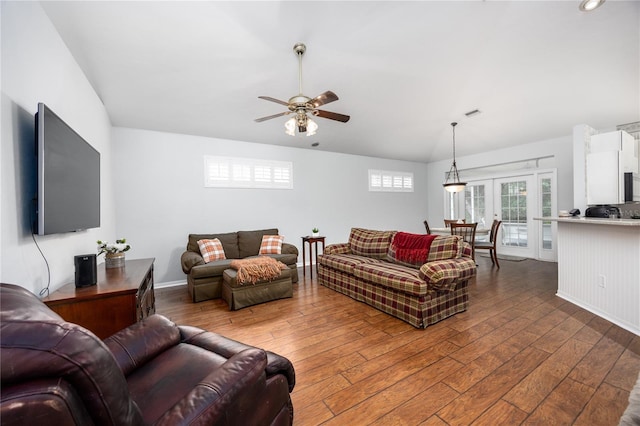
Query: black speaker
[86, 270]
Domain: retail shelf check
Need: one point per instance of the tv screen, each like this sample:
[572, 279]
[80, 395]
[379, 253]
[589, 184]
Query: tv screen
[68, 177]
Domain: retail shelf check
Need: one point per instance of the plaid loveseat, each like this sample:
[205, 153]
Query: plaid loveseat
[415, 289]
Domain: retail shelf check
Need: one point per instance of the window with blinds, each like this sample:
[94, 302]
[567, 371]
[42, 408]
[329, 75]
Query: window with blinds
[230, 172]
[382, 180]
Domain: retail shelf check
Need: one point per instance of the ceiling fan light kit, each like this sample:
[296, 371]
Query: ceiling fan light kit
[454, 185]
[302, 105]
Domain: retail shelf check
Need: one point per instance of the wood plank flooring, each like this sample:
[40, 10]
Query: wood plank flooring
[518, 355]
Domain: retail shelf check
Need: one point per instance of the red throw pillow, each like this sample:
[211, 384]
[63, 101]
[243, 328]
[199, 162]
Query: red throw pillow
[271, 244]
[211, 250]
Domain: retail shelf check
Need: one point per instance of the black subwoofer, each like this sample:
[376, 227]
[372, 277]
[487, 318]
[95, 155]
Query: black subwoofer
[86, 270]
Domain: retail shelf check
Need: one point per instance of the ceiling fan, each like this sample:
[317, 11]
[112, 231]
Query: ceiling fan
[301, 105]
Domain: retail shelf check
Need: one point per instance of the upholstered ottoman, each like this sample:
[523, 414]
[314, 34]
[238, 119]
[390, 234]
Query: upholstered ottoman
[240, 296]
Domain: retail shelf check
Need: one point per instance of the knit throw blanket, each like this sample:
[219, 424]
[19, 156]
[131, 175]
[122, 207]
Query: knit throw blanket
[255, 269]
[412, 248]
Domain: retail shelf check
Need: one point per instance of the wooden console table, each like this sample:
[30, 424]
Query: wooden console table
[121, 297]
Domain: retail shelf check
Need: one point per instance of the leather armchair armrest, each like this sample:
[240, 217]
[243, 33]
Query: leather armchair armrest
[189, 259]
[138, 343]
[226, 347]
[225, 395]
[339, 248]
[288, 248]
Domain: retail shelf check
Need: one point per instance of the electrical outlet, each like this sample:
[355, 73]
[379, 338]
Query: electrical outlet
[602, 281]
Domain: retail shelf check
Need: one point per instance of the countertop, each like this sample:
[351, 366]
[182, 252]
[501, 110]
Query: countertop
[592, 220]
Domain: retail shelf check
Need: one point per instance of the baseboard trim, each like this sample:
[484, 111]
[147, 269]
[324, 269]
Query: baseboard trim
[170, 284]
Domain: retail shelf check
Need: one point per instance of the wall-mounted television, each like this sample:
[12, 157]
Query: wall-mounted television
[68, 177]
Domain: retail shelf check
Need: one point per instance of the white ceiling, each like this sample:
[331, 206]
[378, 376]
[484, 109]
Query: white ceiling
[403, 70]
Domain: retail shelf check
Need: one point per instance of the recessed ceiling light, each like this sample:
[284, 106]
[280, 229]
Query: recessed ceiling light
[589, 5]
[315, 144]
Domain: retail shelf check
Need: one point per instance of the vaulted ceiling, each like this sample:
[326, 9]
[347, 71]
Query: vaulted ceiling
[403, 70]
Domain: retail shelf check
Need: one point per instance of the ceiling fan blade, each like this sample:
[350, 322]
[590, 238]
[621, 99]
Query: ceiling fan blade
[269, 98]
[324, 98]
[331, 115]
[260, 120]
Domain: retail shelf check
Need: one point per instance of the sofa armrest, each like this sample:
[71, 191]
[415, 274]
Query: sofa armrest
[288, 248]
[444, 275]
[225, 395]
[138, 343]
[226, 347]
[339, 248]
[440, 275]
[189, 259]
[466, 266]
[467, 250]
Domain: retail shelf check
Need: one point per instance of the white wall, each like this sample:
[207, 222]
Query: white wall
[37, 67]
[161, 198]
[561, 149]
[152, 189]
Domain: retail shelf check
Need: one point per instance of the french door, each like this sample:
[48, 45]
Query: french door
[515, 200]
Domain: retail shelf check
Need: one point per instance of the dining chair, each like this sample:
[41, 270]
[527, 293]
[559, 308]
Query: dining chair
[491, 244]
[468, 233]
[426, 225]
[448, 222]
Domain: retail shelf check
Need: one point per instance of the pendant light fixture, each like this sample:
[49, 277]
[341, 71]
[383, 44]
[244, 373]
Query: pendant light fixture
[454, 185]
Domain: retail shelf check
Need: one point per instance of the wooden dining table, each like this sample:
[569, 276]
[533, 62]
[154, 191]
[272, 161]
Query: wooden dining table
[447, 231]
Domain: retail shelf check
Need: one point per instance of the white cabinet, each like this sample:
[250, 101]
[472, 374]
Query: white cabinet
[605, 178]
[609, 156]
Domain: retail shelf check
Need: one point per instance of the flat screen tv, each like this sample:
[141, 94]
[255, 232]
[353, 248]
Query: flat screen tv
[68, 177]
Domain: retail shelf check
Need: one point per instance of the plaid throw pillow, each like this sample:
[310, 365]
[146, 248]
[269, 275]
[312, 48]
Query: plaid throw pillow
[445, 247]
[366, 242]
[211, 250]
[271, 244]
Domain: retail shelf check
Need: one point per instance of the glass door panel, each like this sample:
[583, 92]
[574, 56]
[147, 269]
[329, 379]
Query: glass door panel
[477, 204]
[474, 204]
[547, 206]
[515, 204]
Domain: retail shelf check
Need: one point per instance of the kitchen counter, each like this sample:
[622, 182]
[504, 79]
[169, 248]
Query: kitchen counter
[592, 220]
[599, 267]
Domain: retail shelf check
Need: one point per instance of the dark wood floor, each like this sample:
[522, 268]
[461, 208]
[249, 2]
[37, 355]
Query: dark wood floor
[519, 355]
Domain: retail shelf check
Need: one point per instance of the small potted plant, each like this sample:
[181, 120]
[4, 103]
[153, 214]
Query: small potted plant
[315, 232]
[113, 252]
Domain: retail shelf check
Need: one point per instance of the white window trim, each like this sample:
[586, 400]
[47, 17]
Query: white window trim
[390, 181]
[236, 172]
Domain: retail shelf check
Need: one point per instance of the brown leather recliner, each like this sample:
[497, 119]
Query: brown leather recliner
[153, 372]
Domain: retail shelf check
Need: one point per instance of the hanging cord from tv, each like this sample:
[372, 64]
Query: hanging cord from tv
[45, 291]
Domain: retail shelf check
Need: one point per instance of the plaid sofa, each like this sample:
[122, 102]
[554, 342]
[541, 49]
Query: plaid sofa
[367, 269]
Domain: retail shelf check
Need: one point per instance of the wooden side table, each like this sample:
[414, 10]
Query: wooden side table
[311, 241]
[121, 297]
